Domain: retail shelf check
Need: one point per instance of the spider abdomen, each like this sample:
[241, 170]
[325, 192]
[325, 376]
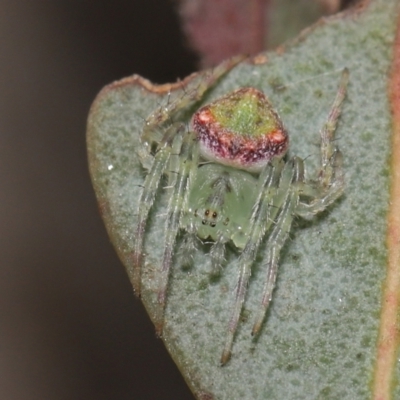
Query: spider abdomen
[240, 130]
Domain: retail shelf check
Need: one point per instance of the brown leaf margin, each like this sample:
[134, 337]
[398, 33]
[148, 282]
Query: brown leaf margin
[384, 377]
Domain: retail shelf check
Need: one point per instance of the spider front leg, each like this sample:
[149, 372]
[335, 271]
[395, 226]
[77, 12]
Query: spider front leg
[147, 197]
[208, 79]
[182, 166]
[189, 245]
[328, 188]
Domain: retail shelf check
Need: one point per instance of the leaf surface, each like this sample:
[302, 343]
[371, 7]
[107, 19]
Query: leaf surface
[320, 337]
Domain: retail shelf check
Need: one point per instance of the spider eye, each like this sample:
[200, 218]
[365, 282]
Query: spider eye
[213, 224]
[214, 214]
[204, 222]
[206, 213]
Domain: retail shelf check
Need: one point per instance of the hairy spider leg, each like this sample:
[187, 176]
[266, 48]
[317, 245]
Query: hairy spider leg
[328, 147]
[151, 133]
[189, 245]
[207, 79]
[147, 197]
[330, 187]
[279, 235]
[180, 169]
[330, 184]
[323, 198]
[264, 213]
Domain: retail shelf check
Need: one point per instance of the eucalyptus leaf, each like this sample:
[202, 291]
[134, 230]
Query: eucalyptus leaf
[320, 335]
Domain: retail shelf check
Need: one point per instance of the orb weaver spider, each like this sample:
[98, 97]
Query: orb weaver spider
[229, 182]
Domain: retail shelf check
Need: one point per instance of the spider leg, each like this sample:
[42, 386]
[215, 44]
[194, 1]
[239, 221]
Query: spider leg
[189, 244]
[181, 167]
[144, 154]
[328, 146]
[147, 197]
[208, 79]
[330, 183]
[277, 239]
[260, 221]
[322, 198]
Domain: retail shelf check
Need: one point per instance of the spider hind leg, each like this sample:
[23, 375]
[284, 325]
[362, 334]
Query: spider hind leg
[260, 220]
[277, 238]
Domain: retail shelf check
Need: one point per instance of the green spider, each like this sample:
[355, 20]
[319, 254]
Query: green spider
[229, 182]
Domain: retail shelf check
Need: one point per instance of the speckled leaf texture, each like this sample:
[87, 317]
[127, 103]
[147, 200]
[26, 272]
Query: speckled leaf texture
[331, 331]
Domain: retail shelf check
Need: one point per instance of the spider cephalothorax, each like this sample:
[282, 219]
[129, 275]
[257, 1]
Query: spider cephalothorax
[228, 182]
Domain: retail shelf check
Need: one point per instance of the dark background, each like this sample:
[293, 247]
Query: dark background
[70, 326]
